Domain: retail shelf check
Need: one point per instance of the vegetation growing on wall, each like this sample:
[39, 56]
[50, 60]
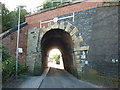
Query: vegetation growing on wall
[8, 65]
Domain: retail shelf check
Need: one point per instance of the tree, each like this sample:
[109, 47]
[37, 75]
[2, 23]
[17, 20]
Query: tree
[5, 17]
[10, 18]
[23, 13]
[49, 3]
[57, 58]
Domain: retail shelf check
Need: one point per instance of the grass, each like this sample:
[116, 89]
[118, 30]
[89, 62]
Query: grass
[101, 80]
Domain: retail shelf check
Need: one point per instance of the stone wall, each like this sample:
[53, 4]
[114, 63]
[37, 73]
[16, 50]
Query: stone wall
[103, 53]
[83, 20]
[32, 51]
[99, 29]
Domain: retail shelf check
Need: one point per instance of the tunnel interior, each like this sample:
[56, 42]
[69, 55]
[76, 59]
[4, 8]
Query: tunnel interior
[60, 39]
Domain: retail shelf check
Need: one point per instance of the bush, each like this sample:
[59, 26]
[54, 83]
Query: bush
[8, 69]
[8, 66]
[21, 68]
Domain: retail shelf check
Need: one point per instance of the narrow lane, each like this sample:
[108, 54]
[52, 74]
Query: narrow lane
[58, 78]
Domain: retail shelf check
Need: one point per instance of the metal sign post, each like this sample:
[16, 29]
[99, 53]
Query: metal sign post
[18, 37]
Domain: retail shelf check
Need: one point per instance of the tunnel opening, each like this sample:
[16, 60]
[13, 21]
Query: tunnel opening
[60, 39]
[55, 59]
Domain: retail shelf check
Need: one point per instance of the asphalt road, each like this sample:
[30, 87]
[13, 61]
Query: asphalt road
[58, 78]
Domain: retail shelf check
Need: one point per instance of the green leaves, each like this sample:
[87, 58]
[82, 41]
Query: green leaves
[57, 58]
[8, 65]
[5, 54]
[49, 4]
[10, 18]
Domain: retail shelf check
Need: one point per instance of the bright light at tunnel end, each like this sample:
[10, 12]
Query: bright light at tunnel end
[54, 51]
[52, 61]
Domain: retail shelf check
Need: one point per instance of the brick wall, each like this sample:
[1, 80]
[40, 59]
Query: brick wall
[35, 19]
[10, 43]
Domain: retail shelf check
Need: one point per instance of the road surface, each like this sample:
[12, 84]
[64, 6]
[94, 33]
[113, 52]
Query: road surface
[58, 78]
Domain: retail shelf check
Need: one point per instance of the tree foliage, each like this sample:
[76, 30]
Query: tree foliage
[5, 17]
[10, 18]
[57, 58]
[49, 4]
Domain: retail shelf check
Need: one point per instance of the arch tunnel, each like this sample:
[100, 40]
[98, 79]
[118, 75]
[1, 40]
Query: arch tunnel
[60, 39]
[59, 36]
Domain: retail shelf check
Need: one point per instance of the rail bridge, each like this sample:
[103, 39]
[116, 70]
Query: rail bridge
[82, 31]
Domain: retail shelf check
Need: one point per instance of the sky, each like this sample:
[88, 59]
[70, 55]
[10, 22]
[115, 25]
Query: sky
[54, 52]
[30, 4]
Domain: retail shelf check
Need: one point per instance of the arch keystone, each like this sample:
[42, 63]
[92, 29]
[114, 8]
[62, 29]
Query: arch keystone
[54, 26]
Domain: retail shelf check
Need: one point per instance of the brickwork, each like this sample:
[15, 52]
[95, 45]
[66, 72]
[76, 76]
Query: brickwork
[10, 43]
[34, 20]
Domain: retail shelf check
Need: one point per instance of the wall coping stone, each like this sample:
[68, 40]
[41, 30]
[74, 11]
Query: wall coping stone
[52, 8]
[108, 4]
